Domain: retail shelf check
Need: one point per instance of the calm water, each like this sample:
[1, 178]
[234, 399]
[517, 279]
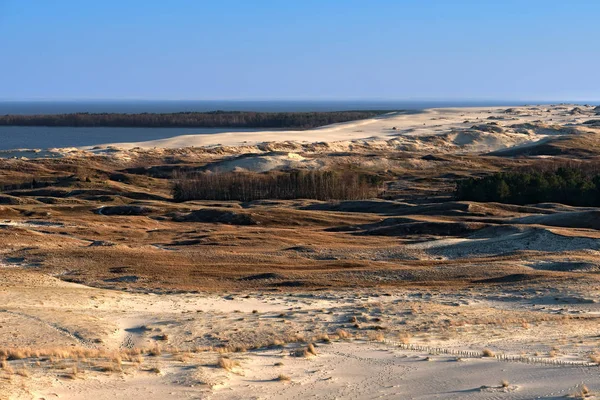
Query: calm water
[43, 137]
[14, 137]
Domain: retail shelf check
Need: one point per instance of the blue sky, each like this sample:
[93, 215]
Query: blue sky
[300, 49]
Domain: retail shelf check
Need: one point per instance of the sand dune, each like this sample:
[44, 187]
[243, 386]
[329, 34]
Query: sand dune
[477, 130]
[498, 241]
[574, 219]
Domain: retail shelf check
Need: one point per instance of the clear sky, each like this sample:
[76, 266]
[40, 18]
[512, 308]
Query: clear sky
[300, 49]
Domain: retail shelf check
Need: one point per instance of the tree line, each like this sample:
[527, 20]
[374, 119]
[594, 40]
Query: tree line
[212, 119]
[248, 186]
[571, 185]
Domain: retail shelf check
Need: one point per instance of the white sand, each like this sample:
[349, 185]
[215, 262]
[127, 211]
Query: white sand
[44, 308]
[476, 129]
[345, 371]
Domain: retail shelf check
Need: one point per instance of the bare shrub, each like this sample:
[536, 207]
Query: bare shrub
[318, 185]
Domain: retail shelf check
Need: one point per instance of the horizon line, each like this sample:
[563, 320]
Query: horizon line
[546, 101]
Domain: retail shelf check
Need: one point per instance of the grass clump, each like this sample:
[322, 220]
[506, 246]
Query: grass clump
[404, 338]
[488, 353]
[227, 363]
[342, 334]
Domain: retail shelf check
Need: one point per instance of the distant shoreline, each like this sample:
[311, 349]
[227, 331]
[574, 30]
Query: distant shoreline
[212, 119]
[32, 107]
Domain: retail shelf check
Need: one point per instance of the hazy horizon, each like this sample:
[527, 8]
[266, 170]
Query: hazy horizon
[298, 99]
[174, 106]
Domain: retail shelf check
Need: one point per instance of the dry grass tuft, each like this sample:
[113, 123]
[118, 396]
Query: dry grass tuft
[7, 368]
[155, 351]
[73, 374]
[108, 367]
[404, 337]
[583, 393]
[488, 353]
[283, 378]
[17, 354]
[182, 357]
[227, 363]
[306, 352]
[342, 334]
[376, 336]
[504, 383]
